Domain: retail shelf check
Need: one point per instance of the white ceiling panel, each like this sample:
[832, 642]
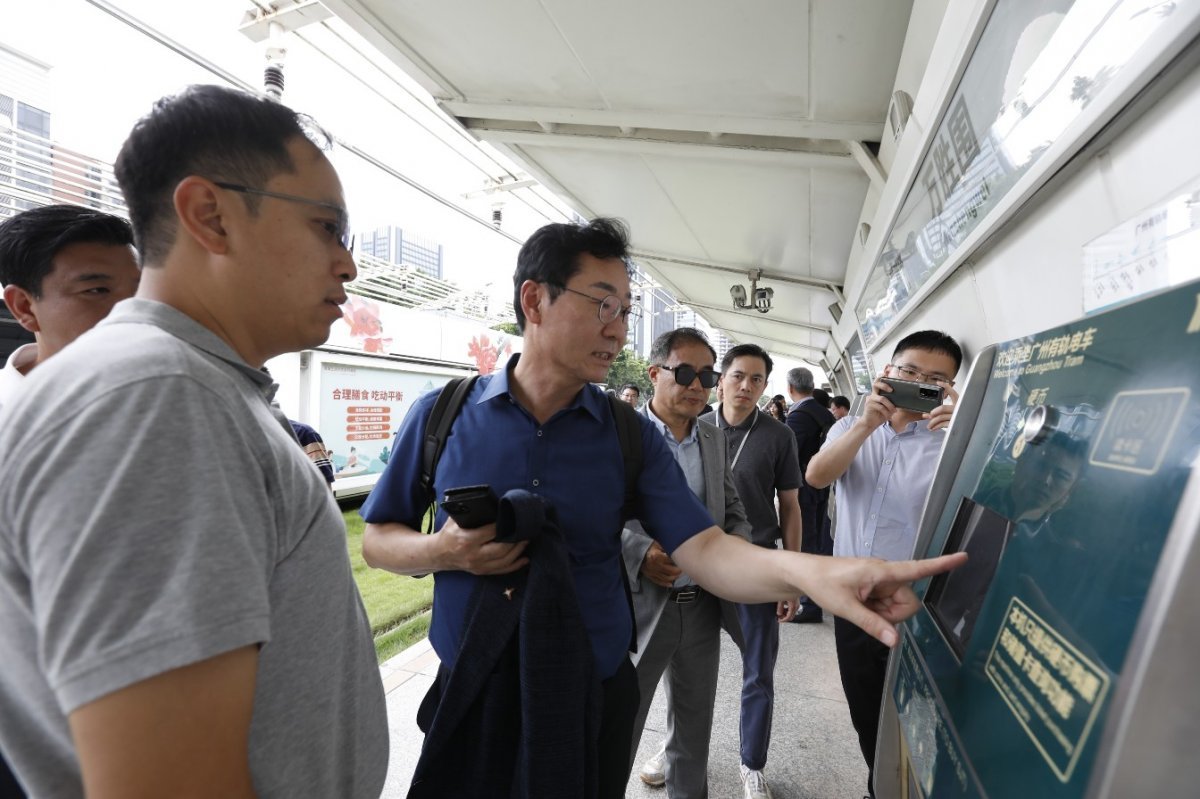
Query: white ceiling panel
[721, 132]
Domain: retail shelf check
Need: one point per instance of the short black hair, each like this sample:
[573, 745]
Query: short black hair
[31, 240]
[634, 386]
[661, 349]
[841, 402]
[822, 397]
[551, 254]
[931, 341]
[744, 350]
[216, 132]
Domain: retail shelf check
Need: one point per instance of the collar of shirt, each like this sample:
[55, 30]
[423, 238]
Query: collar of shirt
[142, 311]
[745, 424]
[498, 386]
[799, 402]
[693, 435]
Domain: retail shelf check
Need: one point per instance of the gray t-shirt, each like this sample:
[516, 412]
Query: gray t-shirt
[154, 512]
[765, 463]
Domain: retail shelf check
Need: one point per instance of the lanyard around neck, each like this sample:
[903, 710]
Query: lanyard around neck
[741, 446]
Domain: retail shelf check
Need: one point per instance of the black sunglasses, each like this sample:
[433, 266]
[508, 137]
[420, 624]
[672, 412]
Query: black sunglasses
[685, 374]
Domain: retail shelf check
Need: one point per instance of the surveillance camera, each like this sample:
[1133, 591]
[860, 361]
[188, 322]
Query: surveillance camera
[738, 293]
[762, 299]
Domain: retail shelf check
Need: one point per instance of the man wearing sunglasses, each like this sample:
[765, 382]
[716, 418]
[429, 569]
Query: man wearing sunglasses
[766, 470]
[883, 462]
[179, 615]
[678, 622]
[542, 425]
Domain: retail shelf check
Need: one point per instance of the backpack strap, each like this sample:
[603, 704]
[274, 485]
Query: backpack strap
[437, 430]
[629, 435]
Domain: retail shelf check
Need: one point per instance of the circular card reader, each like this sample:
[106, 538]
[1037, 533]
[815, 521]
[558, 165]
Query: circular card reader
[1040, 423]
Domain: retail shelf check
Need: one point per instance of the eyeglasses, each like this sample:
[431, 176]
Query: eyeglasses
[917, 376]
[339, 231]
[686, 373]
[610, 307]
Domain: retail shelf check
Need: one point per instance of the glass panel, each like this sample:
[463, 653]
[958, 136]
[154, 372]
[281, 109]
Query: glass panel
[860, 367]
[1037, 66]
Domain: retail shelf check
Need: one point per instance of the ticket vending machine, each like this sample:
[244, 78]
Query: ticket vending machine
[1061, 661]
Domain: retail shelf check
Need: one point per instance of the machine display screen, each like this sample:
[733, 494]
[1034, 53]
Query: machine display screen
[955, 598]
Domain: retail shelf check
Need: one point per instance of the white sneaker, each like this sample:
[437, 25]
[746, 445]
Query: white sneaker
[654, 771]
[754, 784]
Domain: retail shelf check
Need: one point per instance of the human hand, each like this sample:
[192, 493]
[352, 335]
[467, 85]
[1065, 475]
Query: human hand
[940, 416]
[658, 568]
[877, 408]
[476, 550]
[786, 609]
[875, 594]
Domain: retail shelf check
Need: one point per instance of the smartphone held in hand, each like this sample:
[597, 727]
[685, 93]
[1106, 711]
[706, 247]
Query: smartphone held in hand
[914, 396]
[471, 506]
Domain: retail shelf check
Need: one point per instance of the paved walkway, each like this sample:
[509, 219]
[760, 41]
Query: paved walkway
[814, 752]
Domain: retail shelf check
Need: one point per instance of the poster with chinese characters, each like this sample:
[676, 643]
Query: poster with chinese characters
[1158, 248]
[361, 408]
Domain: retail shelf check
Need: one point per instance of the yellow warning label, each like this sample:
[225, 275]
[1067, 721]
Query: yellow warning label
[1054, 691]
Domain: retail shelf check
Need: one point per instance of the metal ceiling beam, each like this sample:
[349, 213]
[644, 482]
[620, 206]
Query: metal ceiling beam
[658, 120]
[660, 143]
[869, 163]
[755, 315]
[743, 271]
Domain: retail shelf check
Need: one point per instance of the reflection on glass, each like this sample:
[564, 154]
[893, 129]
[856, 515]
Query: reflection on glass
[1038, 64]
[859, 366]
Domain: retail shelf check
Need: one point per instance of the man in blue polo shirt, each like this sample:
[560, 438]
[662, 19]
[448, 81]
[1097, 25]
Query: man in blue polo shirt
[540, 425]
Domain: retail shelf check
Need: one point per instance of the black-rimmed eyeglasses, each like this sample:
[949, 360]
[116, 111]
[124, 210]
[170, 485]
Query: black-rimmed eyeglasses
[609, 307]
[917, 376]
[686, 373]
[339, 231]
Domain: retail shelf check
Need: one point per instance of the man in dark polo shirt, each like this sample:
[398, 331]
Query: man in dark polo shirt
[540, 424]
[762, 454]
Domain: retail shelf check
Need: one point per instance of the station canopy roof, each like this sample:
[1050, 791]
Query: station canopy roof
[732, 136]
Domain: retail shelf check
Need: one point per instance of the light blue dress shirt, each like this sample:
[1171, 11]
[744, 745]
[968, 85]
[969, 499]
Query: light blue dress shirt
[882, 494]
[687, 455]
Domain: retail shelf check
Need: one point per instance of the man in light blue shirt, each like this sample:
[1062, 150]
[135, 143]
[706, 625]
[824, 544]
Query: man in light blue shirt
[883, 462]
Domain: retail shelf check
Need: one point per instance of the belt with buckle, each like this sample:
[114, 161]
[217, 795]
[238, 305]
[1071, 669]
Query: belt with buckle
[689, 593]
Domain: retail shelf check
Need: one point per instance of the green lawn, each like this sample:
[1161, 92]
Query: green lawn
[397, 606]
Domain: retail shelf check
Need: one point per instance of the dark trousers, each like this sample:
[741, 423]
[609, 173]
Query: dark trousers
[9, 787]
[621, 700]
[815, 539]
[862, 663]
[814, 514]
[757, 637]
[494, 719]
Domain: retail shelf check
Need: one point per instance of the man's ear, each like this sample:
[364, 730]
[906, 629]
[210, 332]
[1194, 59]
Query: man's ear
[20, 304]
[653, 371]
[202, 212]
[531, 296]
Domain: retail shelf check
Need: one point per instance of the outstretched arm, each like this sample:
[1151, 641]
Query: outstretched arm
[873, 594]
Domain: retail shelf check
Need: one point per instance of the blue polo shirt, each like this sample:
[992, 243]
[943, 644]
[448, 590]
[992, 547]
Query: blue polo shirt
[574, 461]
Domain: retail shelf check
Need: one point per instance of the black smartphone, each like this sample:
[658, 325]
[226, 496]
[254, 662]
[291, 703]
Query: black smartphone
[914, 396]
[471, 506]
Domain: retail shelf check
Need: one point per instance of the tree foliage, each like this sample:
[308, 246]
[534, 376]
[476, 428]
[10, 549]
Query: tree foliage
[508, 327]
[627, 367]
